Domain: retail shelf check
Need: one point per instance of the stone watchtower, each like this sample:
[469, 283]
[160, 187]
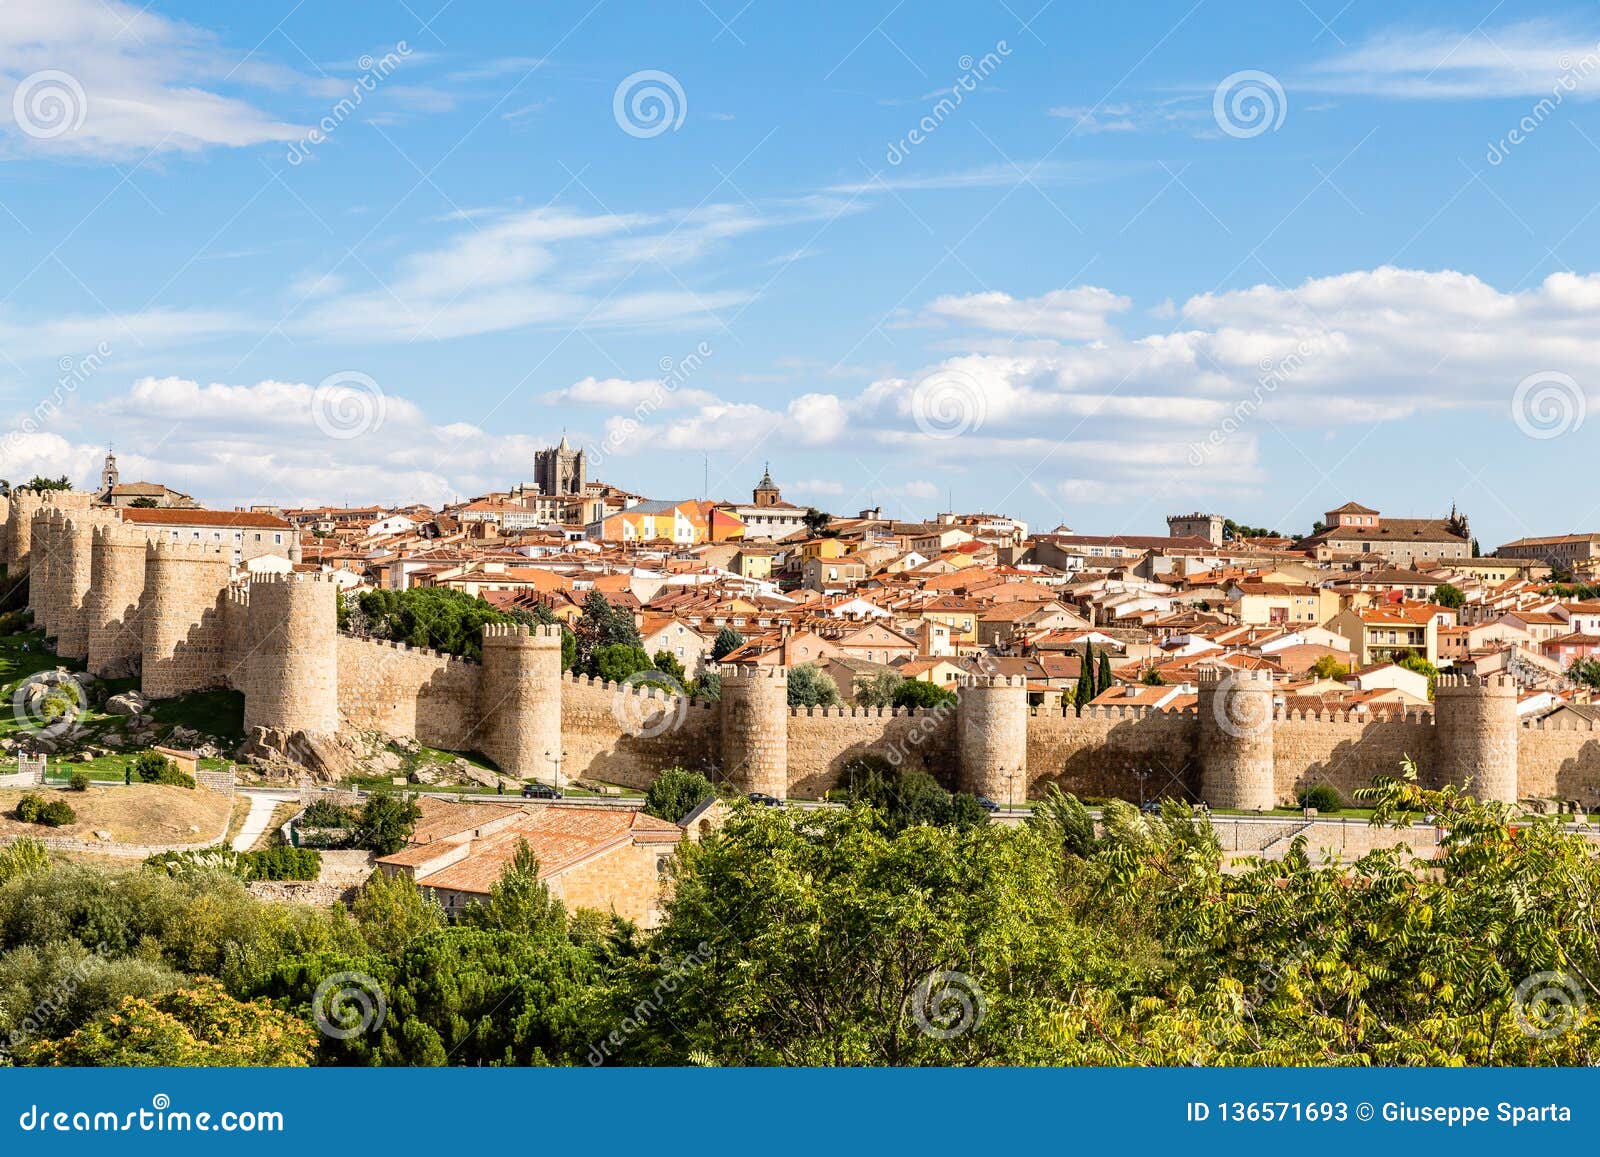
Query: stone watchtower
[1236, 750]
[755, 729]
[1476, 729]
[112, 606]
[519, 700]
[71, 576]
[19, 530]
[47, 523]
[992, 736]
[181, 621]
[293, 669]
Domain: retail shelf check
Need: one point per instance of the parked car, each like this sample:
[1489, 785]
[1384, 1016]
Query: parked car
[986, 803]
[539, 791]
[762, 799]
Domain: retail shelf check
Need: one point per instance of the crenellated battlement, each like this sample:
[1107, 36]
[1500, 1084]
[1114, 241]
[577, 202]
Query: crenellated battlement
[176, 614]
[749, 672]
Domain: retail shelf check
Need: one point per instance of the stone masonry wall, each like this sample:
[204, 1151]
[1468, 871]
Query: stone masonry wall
[404, 691]
[822, 740]
[1103, 752]
[596, 740]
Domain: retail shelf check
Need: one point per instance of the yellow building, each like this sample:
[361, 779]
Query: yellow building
[1389, 631]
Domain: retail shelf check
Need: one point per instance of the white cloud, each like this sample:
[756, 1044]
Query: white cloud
[270, 442]
[546, 266]
[1526, 59]
[1072, 314]
[130, 80]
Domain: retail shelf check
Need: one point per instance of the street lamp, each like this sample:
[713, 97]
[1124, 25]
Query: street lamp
[1011, 789]
[555, 760]
[1141, 776]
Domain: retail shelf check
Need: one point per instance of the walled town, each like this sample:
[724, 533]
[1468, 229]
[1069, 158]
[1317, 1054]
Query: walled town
[574, 686]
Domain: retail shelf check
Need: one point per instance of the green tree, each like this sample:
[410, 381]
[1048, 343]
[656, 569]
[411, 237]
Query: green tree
[820, 940]
[1086, 670]
[197, 1026]
[1152, 677]
[878, 690]
[392, 912]
[1449, 595]
[708, 687]
[810, 686]
[39, 482]
[675, 793]
[1084, 691]
[1585, 671]
[386, 821]
[1064, 821]
[817, 521]
[1422, 667]
[617, 661]
[667, 663]
[727, 641]
[600, 626]
[1103, 681]
[519, 902]
[921, 693]
[1329, 667]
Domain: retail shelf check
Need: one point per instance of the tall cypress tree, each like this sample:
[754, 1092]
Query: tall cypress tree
[1088, 668]
[1104, 681]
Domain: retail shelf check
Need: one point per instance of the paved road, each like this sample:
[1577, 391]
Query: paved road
[262, 804]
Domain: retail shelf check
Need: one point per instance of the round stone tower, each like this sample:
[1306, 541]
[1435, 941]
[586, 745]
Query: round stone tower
[1236, 756]
[519, 701]
[292, 683]
[181, 621]
[992, 736]
[116, 586]
[70, 574]
[42, 588]
[19, 530]
[1476, 729]
[755, 729]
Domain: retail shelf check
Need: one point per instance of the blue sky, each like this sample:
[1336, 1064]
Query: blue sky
[1260, 259]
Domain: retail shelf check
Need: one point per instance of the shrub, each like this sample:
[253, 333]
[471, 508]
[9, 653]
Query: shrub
[153, 767]
[52, 813]
[78, 781]
[675, 793]
[282, 863]
[1324, 797]
[325, 813]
